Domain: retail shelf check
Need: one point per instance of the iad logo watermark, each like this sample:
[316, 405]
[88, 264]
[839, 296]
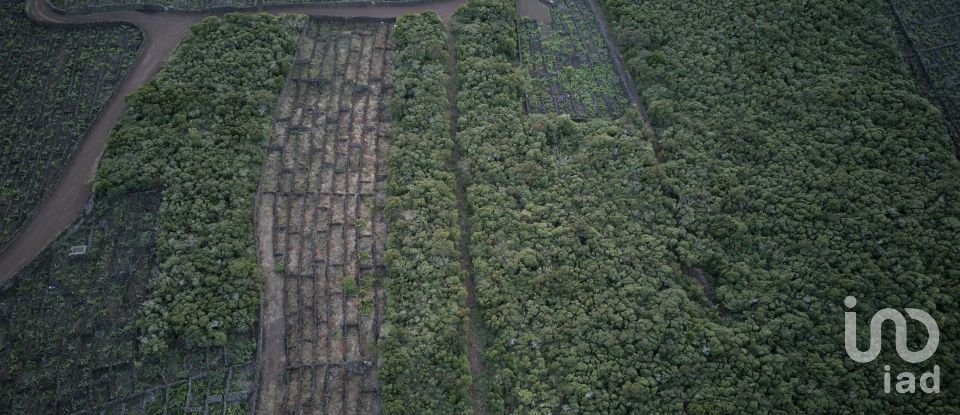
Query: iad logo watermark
[906, 381]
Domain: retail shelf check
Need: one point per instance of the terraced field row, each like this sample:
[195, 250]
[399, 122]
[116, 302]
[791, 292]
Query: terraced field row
[320, 221]
[53, 84]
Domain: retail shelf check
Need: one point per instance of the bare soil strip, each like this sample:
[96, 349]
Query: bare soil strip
[321, 227]
[475, 347]
[162, 33]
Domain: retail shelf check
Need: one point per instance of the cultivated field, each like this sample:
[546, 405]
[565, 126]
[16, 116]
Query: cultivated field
[68, 333]
[570, 63]
[53, 84]
[88, 6]
[320, 222]
[63, 337]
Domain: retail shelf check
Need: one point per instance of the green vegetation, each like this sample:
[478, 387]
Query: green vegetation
[806, 168]
[570, 64]
[55, 81]
[89, 6]
[67, 321]
[574, 245]
[70, 336]
[197, 132]
[425, 369]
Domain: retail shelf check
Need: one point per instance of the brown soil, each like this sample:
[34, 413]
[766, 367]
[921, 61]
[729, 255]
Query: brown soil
[320, 215]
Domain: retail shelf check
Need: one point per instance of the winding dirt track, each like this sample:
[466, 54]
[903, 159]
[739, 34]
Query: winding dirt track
[162, 33]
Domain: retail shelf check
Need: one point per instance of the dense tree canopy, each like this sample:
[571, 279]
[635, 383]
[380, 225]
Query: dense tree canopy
[425, 367]
[800, 166]
[197, 132]
[574, 249]
[806, 168]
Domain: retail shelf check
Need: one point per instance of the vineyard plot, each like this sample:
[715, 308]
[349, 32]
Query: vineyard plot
[53, 84]
[65, 317]
[570, 64]
[933, 30]
[68, 332]
[322, 190]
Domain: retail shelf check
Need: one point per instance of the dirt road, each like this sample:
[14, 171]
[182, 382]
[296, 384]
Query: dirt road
[162, 33]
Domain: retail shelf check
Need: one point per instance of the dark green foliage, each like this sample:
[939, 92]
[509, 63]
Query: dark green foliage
[197, 131]
[806, 168]
[68, 333]
[425, 369]
[573, 246]
[53, 84]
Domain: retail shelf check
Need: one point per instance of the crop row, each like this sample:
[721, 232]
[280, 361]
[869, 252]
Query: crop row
[66, 320]
[570, 64]
[55, 83]
[333, 2]
[425, 368]
[320, 217]
[68, 334]
[88, 6]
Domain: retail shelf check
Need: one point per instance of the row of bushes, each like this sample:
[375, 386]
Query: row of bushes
[197, 131]
[425, 369]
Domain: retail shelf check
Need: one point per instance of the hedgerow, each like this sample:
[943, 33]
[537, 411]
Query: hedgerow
[425, 369]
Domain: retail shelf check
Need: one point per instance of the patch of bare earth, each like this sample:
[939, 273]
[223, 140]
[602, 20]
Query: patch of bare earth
[321, 226]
